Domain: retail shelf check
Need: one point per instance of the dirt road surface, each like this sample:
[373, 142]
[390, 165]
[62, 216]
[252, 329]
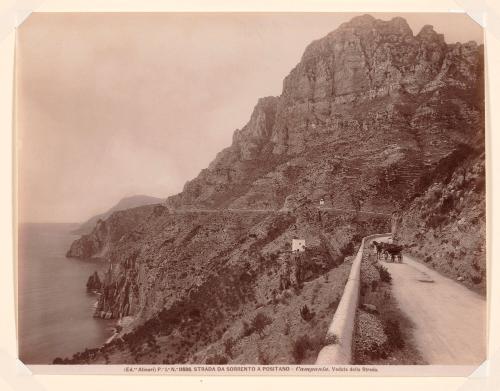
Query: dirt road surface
[450, 320]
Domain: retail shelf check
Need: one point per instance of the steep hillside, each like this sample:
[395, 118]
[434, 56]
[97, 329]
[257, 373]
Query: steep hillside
[445, 226]
[197, 280]
[368, 112]
[124, 203]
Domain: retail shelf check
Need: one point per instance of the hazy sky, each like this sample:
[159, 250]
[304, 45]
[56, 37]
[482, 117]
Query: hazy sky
[111, 105]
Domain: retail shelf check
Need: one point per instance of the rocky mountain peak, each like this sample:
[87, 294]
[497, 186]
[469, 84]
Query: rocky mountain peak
[258, 129]
[370, 80]
[427, 33]
[360, 21]
[363, 22]
[401, 25]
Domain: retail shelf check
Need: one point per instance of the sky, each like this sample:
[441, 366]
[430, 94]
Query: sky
[113, 105]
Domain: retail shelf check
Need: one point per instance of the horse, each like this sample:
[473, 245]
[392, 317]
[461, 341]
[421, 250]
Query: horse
[379, 247]
[394, 252]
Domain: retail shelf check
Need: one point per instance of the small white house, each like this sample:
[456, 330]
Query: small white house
[322, 202]
[298, 245]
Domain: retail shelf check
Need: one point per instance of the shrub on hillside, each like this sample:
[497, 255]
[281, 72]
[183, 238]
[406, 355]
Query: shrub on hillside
[306, 313]
[385, 276]
[300, 347]
[302, 344]
[260, 321]
[476, 278]
[246, 329]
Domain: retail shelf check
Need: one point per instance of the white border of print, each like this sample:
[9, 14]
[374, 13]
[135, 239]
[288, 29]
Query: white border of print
[21, 378]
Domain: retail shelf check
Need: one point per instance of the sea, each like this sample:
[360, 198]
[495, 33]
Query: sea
[54, 308]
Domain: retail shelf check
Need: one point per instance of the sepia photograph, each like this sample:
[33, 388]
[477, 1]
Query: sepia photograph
[297, 191]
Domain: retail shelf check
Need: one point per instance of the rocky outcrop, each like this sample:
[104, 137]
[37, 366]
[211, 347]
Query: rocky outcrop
[89, 245]
[119, 293]
[94, 283]
[256, 134]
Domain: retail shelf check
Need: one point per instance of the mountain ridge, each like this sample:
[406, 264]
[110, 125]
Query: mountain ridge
[124, 203]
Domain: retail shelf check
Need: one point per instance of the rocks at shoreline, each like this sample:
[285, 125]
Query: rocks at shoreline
[118, 298]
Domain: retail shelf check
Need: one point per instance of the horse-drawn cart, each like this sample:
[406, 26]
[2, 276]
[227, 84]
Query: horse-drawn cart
[388, 251]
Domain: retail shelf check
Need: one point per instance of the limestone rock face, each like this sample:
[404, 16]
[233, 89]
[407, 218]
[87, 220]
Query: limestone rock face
[370, 85]
[252, 138]
[119, 292]
[89, 245]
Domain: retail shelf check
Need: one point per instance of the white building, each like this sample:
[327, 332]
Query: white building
[298, 245]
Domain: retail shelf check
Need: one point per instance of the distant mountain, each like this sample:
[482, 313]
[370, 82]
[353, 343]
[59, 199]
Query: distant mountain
[124, 203]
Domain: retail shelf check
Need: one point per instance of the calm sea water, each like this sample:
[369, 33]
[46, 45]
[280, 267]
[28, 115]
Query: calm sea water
[55, 311]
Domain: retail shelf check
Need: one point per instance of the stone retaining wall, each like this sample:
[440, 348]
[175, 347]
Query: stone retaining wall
[340, 332]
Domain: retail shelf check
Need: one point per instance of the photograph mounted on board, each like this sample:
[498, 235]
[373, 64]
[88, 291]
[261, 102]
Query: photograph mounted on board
[293, 189]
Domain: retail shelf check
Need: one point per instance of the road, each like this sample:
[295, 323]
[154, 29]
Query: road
[450, 320]
[181, 211]
[283, 210]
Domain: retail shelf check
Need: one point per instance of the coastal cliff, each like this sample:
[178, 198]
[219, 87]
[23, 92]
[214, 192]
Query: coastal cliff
[123, 204]
[370, 110]
[119, 226]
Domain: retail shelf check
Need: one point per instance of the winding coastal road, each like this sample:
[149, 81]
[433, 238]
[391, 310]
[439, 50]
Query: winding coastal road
[450, 320]
[282, 210]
